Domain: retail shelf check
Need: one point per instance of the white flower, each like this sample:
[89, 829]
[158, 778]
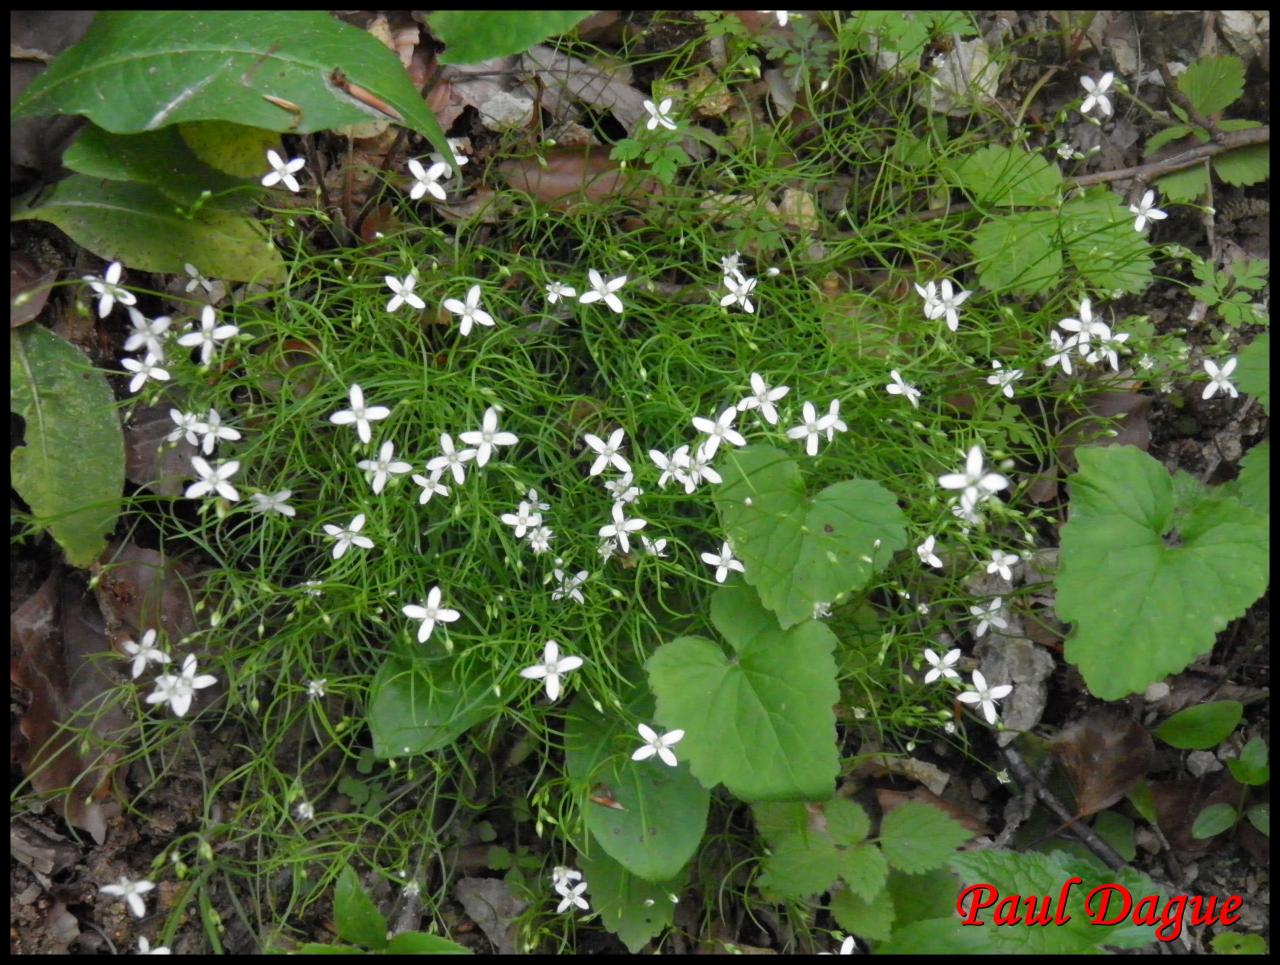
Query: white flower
[274, 503]
[658, 744]
[654, 547]
[569, 586]
[929, 293]
[720, 430]
[927, 555]
[131, 892]
[469, 312]
[431, 485]
[212, 430]
[402, 291]
[740, 288]
[1003, 379]
[523, 519]
[989, 615]
[607, 452]
[623, 489]
[282, 171]
[1146, 210]
[1065, 151]
[898, 387]
[724, 562]
[451, 460]
[763, 398]
[188, 424]
[1062, 350]
[673, 466]
[607, 548]
[209, 334]
[197, 280]
[213, 479]
[360, 415]
[1220, 379]
[532, 496]
[562, 877]
[1108, 347]
[316, 688]
[948, 303]
[148, 368]
[305, 811]
[430, 614]
[601, 289]
[147, 334]
[821, 610]
[348, 536]
[621, 528]
[1097, 94]
[487, 437]
[1084, 326]
[942, 666]
[456, 146]
[553, 666]
[975, 482]
[571, 897]
[984, 695]
[659, 115]
[384, 466]
[144, 947]
[730, 263]
[782, 16]
[558, 290]
[109, 291]
[144, 653]
[1001, 563]
[810, 430]
[540, 539]
[833, 421]
[700, 469]
[847, 947]
[177, 689]
[427, 180]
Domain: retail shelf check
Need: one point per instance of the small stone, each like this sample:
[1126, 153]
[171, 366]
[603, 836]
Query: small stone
[1156, 692]
[1200, 763]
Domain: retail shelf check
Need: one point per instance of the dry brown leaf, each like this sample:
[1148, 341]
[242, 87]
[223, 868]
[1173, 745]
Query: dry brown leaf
[566, 177]
[1134, 429]
[1104, 756]
[469, 85]
[1178, 804]
[29, 288]
[149, 458]
[140, 589]
[567, 79]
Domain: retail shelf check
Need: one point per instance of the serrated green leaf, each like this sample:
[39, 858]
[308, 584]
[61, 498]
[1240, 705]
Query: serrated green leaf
[1201, 727]
[1244, 165]
[71, 469]
[421, 943]
[812, 844]
[355, 916]
[1017, 253]
[1128, 592]
[417, 708]
[1252, 766]
[471, 36]
[864, 870]
[916, 837]
[1166, 136]
[919, 897]
[1213, 820]
[1230, 943]
[936, 936]
[1186, 185]
[1253, 372]
[633, 909]
[1213, 83]
[762, 724]
[1260, 817]
[799, 552]
[1097, 230]
[867, 918]
[136, 224]
[1008, 176]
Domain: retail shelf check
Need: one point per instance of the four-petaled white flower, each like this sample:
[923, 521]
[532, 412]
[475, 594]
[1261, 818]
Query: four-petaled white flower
[927, 555]
[147, 333]
[1003, 379]
[282, 171]
[562, 877]
[659, 744]
[1084, 327]
[557, 290]
[208, 335]
[1108, 347]
[607, 452]
[274, 503]
[427, 180]
[654, 547]
[659, 114]
[384, 467]
[197, 280]
[724, 561]
[523, 519]
[188, 424]
[571, 896]
[431, 486]
[1062, 349]
[469, 312]
[213, 479]
[989, 615]
[1001, 563]
[109, 291]
[488, 436]
[1220, 379]
[452, 459]
[984, 695]
[834, 422]
[570, 586]
[360, 415]
[348, 536]
[552, 668]
[148, 369]
[740, 289]
[430, 614]
[402, 291]
[1097, 92]
[144, 653]
[316, 688]
[763, 398]
[603, 290]
[212, 430]
[730, 263]
[623, 489]
[673, 466]
[177, 689]
[621, 527]
[1146, 210]
[810, 430]
[975, 482]
[904, 389]
[941, 666]
[943, 301]
[540, 539]
[721, 430]
[131, 892]
[699, 469]
[305, 811]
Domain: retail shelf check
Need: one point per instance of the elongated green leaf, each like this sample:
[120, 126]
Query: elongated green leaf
[421, 943]
[1213, 820]
[1127, 591]
[355, 916]
[71, 469]
[136, 224]
[916, 837]
[633, 909]
[799, 552]
[1009, 176]
[762, 723]
[1017, 252]
[416, 709]
[1097, 230]
[471, 36]
[1202, 726]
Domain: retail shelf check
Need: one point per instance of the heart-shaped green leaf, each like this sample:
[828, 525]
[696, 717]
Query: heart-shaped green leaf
[633, 909]
[761, 723]
[799, 552]
[471, 36]
[416, 708]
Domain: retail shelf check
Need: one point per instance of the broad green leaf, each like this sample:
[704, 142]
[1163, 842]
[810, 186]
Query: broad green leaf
[1202, 726]
[1213, 820]
[1260, 817]
[797, 551]
[1213, 83]
[762, 723]
[1097, 231]
[471, 36]
[1186, 185]
[1128, 591]
[71, 469]
[665, 808]
[868, 919]
[916, 837]
[1017, 253]
[1008, 176]
[633, 909]
[418, 708]
[1253, 372]
[1231, 943]
[142, 70]
[233, 148]
[864, 870]
[1251, 767]
[355, 916]
[136, 224]
[1166, 136]
[936, 936]
[1244, 165]
[809, 845]
[421, 943]
[918, 897]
